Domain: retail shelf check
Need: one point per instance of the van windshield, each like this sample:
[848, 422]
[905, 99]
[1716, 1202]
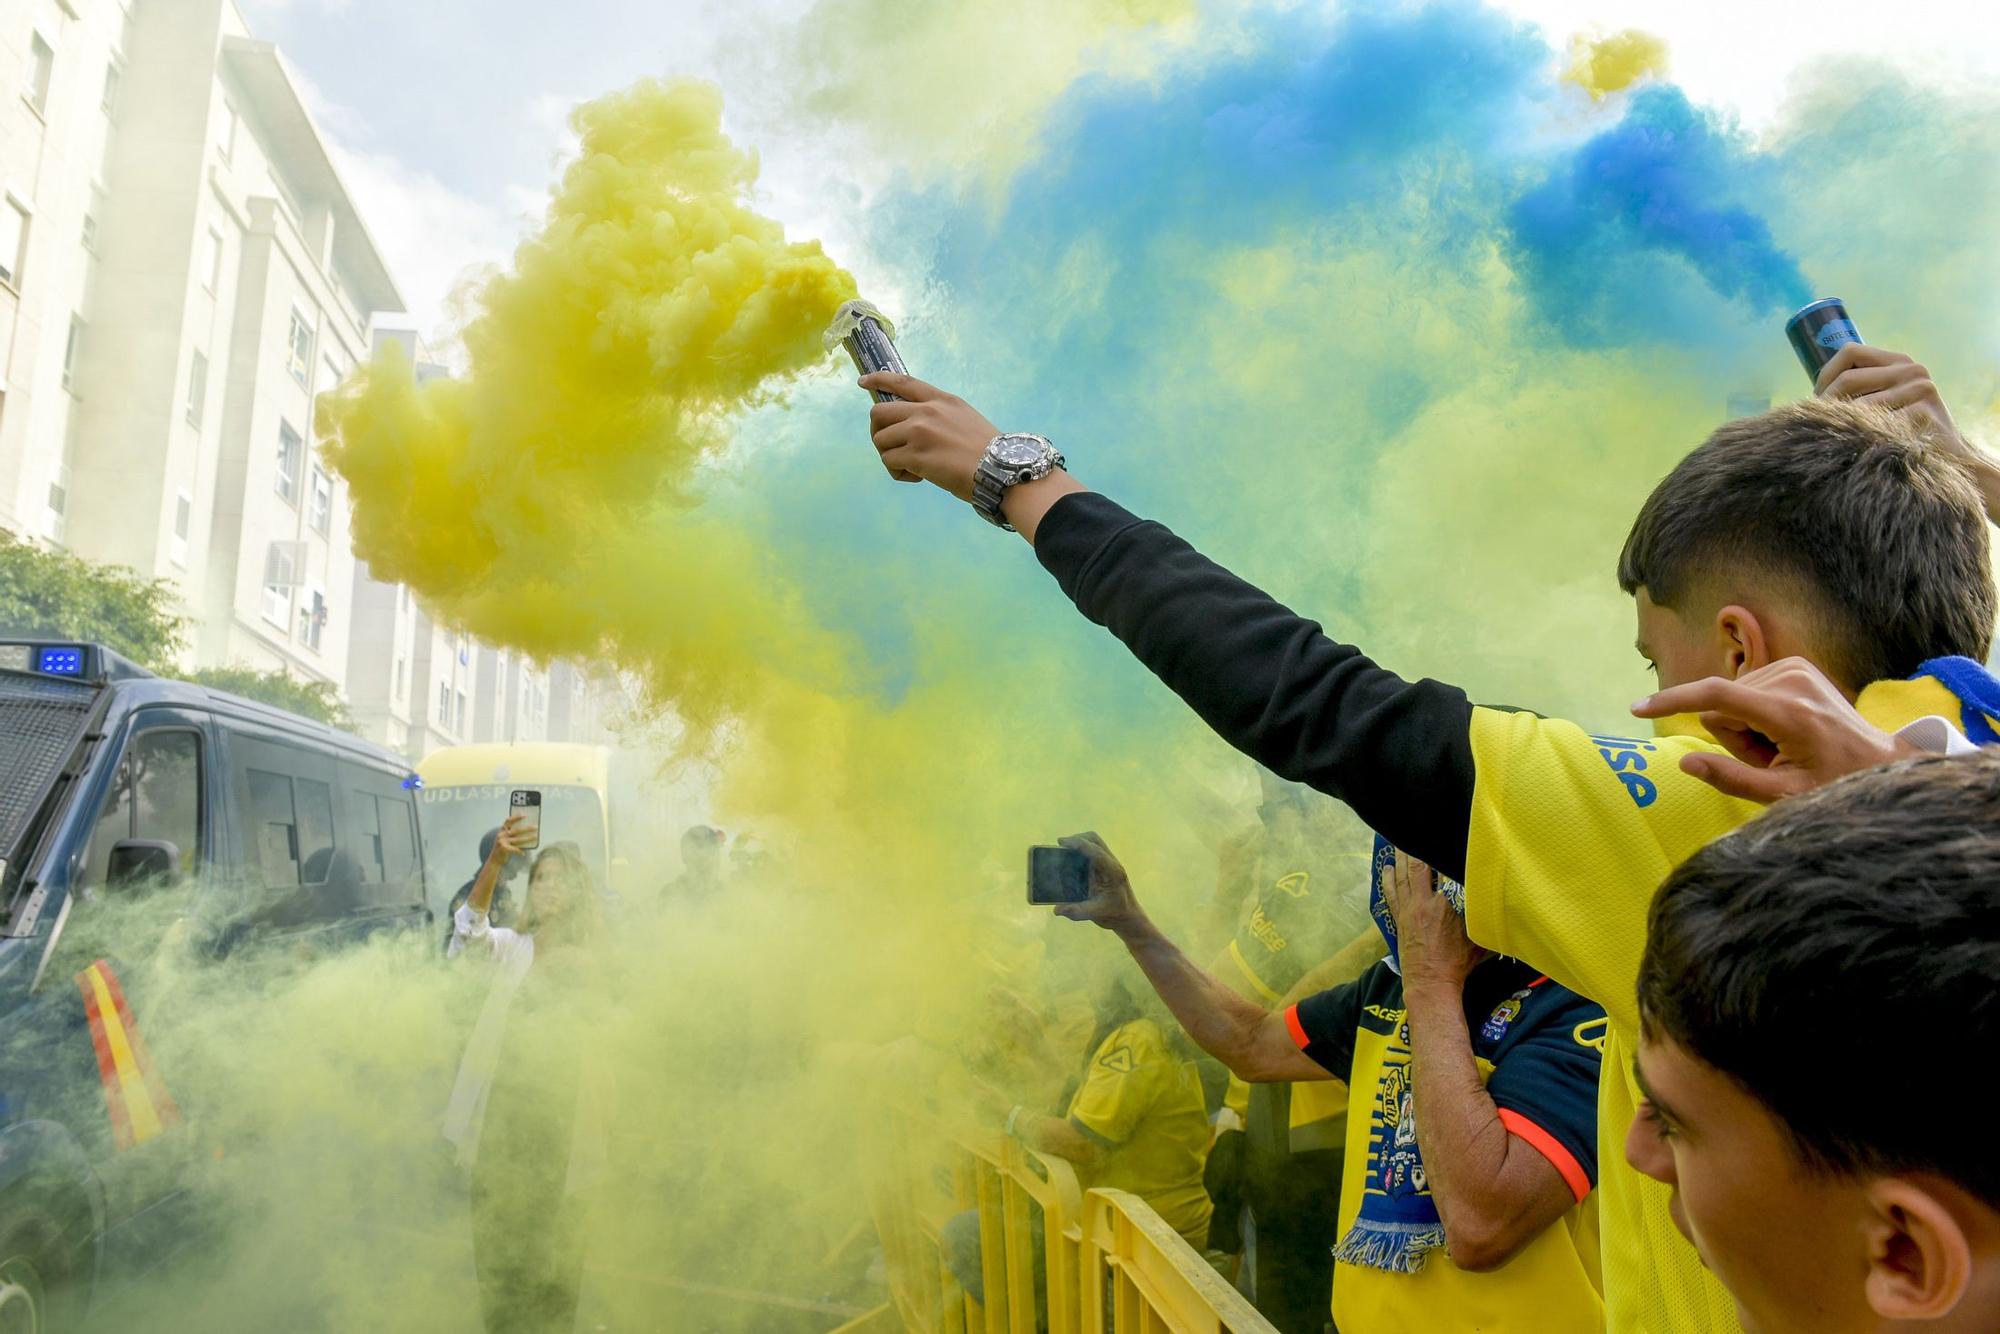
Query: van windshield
[40, 722]
[454, 819]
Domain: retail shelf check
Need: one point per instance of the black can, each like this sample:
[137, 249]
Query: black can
[1818, 331]
[866, 333]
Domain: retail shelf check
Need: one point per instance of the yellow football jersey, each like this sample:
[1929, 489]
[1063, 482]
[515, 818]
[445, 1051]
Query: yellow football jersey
[1570, 836]
[1144, 1101]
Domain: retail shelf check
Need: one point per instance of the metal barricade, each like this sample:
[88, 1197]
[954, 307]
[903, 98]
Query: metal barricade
[1141, 1277]
[1110, 1264]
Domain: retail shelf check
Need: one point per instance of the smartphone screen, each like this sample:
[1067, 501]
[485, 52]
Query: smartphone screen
[528, 805]
[1058, 875]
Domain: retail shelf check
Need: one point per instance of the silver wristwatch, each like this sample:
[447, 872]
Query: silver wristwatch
[1010, 458]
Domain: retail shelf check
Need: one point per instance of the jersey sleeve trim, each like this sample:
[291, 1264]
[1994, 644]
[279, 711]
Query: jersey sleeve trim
[1550, 1148]
[1295, 1028]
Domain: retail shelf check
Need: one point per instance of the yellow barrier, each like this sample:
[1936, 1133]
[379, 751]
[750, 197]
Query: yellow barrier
[1141, 1276]
[1112, 1265]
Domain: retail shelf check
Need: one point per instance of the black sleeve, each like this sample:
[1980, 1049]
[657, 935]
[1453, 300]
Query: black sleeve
[1270, 682]
[1323, 1026]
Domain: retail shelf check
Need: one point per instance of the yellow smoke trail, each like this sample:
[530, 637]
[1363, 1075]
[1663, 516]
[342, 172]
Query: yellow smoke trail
[1605, 65]
[652, 305]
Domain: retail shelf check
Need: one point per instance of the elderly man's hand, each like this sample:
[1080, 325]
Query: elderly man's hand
[1431, 944]
[1787, 727]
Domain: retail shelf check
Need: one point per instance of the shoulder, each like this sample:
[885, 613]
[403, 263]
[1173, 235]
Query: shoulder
[1540, 1010]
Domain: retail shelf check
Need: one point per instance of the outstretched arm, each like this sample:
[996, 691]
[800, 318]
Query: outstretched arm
[1253, 1042]
[1269, 681]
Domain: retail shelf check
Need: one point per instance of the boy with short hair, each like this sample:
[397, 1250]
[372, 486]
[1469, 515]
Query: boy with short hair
[1828, 531]
[1858, 923]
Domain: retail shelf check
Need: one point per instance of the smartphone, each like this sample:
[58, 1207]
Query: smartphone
[1058, 875]
[527, 804]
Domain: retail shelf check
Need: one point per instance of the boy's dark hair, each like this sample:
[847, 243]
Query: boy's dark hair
[1882, 534]
[1837, 959]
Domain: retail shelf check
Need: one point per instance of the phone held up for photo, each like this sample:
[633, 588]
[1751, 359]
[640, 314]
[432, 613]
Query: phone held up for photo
[527, 804]
[1057, 875]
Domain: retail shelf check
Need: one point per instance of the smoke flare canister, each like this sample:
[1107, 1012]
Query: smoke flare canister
[867, 335]
[1818, 331]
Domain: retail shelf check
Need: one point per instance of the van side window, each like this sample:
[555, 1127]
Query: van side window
[156, 794]
[315, 803]
[363, 836]
[399, 837]
[274, 826]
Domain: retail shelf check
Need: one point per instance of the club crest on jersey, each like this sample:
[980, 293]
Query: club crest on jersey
[1295, 883]
[1505, 1013]
[1627, 759]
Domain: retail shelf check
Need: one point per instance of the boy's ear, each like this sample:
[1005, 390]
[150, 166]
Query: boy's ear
[1919, 1256]
[1740, 639]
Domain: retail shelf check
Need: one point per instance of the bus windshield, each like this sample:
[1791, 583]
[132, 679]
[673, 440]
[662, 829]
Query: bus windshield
[454, 819]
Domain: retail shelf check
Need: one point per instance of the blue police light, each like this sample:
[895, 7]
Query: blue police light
[65, 661]
[414, 783]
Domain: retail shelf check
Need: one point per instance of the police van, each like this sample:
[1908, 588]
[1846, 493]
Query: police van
[115, 785]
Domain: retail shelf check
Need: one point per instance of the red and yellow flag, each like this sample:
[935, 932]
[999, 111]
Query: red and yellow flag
[133, 1093]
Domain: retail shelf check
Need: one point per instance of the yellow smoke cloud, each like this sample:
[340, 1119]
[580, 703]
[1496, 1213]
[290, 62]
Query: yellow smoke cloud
[652, 305]
[1605, 65]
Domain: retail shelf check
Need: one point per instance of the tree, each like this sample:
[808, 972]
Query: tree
[54, 594]
[281, 690]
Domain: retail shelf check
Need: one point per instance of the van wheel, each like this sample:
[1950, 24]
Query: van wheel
[24, 1284]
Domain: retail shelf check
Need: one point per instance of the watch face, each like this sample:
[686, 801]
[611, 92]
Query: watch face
[1018, 451]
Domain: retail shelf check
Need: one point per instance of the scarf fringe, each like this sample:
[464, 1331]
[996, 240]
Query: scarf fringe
[1395, 1248]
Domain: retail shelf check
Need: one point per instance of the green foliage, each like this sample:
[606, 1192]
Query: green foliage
[281, 690]
[57, 595]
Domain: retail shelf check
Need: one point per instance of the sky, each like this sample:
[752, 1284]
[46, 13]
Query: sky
[448, 117]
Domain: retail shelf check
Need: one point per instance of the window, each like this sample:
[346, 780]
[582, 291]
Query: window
[444, 704]
[329, 375]
[320, 512]
[155, 794]
[13, 241]
[211, 265]
[298, 357]
[90, 231]
[59, 499]
[111, 78]
[398, 820]
[274, 826]
[197, 388]
[41, 68]
[291, 459]
[72, 349]
[312, 617]
[225, 140]
[402, 673]
[183, 521]
[315, 807]
[280, 577]
[461, 711]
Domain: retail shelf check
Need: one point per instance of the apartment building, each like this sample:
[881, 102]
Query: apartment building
[182, 274]
[191, 275]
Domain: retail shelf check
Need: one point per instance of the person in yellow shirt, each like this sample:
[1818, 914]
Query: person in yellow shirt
[1861, 920]
[1848, 534]
[1135, 1119]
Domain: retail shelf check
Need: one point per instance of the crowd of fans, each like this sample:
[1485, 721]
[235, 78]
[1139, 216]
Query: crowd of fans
[1613, 1045]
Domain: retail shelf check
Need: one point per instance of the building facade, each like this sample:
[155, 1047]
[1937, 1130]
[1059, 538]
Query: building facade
[182, 274]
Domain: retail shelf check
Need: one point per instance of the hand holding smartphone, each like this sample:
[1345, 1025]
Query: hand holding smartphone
[1057, 875]
[525, 804]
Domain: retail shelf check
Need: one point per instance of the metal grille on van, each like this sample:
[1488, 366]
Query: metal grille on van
[41, 720]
